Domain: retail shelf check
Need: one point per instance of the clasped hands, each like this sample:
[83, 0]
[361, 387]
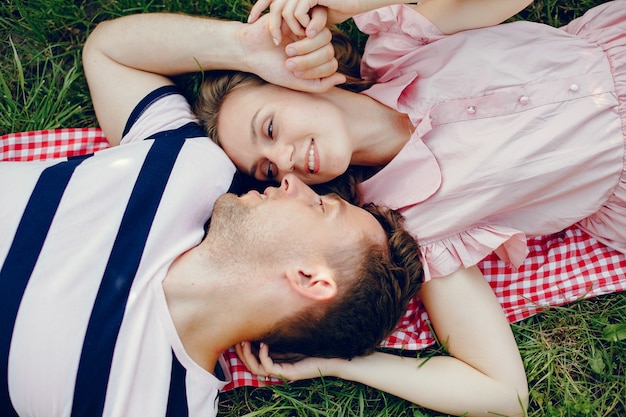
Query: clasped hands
[295, 32]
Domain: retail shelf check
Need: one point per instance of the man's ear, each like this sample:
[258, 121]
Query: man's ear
[316, 284]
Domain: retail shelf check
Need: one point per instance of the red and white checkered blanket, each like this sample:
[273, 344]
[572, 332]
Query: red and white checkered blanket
[45, 144]
[560, 268]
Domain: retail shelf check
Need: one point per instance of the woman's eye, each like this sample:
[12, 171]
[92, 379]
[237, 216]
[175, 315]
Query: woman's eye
[270, 129]
[270, 171]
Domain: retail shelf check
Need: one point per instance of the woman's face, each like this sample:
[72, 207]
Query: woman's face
[269, 131]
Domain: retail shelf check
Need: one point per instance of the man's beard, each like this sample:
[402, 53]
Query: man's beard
[244, 232]
[235, 227]
[228, 212]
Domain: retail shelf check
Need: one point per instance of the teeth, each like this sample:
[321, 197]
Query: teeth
[311, 159]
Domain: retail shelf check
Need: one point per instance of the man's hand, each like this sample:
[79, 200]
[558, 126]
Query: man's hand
[300, 63]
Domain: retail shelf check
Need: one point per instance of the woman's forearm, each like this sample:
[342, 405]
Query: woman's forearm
[484, 374]
[440, 383]
[452, 16]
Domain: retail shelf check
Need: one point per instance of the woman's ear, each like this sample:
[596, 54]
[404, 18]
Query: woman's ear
[316, 284]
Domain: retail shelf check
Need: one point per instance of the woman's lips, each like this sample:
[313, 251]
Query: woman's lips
[312, 165]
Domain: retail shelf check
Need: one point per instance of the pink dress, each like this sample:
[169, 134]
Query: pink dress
[519, 131]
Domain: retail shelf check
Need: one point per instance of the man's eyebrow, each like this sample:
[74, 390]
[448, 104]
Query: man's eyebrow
[334, 196]
[253, 140]
[341, 206]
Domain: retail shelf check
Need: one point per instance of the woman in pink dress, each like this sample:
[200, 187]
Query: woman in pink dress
[481, 139]
[480, 134]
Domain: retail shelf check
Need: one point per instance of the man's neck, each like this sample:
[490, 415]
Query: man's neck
[198, 309]
[211, 309]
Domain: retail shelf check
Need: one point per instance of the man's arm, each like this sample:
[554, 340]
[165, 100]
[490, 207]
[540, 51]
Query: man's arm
[127, 58]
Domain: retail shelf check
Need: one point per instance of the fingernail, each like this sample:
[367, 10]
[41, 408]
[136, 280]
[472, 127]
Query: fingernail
[290, 65]
[291, 51]
[276, 41]
[312, 33]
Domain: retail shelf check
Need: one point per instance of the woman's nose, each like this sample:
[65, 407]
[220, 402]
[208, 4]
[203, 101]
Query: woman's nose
[282, 157]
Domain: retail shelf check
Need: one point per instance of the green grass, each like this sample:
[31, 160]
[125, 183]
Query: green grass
[575, 356]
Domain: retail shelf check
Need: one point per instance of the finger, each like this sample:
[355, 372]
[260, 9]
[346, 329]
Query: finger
[264, 357]
[257, 10]
[333, 80]
[307, 45]
[325, 70]
[317, 64]
[301, 12]
[320, 85]
[239, 348]
[276, 21]
[292, 21]
[327, 83]
[244, 351]
[318, 21]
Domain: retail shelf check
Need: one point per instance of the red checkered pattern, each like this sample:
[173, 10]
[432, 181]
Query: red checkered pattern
[559, 269]
[44, 144]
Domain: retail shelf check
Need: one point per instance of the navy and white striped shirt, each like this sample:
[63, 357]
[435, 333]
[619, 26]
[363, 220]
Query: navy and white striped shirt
[84, 245]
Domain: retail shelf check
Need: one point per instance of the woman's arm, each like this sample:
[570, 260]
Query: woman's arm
[127, 58]
[450, 16]
[484, 376]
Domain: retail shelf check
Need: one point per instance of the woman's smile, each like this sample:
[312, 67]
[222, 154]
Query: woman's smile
[313, 160]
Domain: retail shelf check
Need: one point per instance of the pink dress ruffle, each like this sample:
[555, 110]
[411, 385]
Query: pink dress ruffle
[605, 26]
[461, 250]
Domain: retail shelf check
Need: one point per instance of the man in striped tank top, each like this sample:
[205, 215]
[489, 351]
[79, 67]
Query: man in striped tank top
[117, 297]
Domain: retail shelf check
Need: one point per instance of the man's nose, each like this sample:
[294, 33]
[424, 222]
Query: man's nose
[293, 187]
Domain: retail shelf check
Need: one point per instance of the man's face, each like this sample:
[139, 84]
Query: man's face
[292, 221]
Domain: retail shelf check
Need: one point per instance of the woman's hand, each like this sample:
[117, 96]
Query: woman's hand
[264, 365]
[305, 64]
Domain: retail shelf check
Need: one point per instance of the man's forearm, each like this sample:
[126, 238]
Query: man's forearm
[127, 58]
[171, 44]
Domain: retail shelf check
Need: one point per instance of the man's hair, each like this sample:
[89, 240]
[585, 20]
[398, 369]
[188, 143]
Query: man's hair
[218, 85]
[376, 286]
